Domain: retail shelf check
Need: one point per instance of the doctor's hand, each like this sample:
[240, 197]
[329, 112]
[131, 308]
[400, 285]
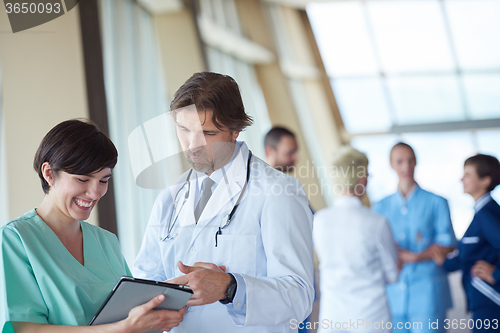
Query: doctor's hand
[208, 281]
[484, 271]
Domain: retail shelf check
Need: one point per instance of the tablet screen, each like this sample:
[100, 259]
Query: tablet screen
[130, 292]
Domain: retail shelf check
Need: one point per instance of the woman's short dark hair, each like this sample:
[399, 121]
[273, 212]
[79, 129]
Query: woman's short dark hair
[486, 166]
[77, 147]
[217, 93]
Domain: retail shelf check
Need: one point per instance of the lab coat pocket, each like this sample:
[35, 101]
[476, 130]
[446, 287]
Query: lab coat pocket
[237, 253]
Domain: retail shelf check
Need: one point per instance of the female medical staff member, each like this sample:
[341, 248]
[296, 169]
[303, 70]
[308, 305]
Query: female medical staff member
[356, 252]
[478, 253]
[419, 220]
[56, 270]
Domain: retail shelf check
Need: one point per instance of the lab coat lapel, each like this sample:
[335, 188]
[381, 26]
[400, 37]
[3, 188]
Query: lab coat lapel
[226, 193]
[186, 212]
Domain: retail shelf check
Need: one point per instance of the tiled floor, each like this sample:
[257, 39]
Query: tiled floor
[459, 310]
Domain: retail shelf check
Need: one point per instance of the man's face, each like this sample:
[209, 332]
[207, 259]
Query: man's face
[403, 161]
[206, 147]
[285, 154]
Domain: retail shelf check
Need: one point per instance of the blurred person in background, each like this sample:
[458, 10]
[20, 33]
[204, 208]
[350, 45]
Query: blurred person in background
[420, 221]
[478, 252]
[281, 149]
[357, 254]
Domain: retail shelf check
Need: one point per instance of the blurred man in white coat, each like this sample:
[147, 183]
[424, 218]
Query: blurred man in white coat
[235, 230]
[357, 254]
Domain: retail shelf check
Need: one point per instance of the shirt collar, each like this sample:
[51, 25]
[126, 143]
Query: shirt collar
[218, 174]
[347, 201]
[481, 202]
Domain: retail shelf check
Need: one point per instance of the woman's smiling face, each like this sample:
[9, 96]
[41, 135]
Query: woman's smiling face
[74, 196]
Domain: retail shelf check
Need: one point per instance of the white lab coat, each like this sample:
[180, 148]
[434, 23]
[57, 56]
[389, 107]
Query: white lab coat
[357, 258]
[268, 245]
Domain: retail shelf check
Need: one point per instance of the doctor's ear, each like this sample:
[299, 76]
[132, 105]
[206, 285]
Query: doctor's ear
[234, 135]
[48, 173]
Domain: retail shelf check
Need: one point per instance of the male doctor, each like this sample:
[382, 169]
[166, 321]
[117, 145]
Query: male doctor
[253, 273]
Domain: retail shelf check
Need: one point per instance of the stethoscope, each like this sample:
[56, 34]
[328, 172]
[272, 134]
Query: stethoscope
[225, 221]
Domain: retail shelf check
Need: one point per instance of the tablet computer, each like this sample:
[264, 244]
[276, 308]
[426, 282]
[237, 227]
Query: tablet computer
[130, 292]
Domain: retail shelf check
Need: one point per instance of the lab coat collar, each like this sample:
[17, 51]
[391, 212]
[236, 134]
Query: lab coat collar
[347, 201]
[226, 193]
[179, 189]
[218, 175]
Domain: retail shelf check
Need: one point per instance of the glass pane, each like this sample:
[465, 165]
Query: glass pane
[483, 95]
[440, 159]
[475, 26]
[426, 99]
[362, 105]
[213, 59]
[4, 197]
[218, 12]
[411, 35]
[487, 142]
[231, 15]
[342, 37]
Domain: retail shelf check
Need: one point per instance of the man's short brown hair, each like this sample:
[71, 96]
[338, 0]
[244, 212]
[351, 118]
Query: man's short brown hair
[217, 93]
[274, 136]
[402, 145]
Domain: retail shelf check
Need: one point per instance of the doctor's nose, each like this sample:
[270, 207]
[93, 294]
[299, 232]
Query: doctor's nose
[196, 141]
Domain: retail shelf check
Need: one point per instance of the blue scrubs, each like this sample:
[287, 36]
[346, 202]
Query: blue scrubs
[481, 241]
[422, 293]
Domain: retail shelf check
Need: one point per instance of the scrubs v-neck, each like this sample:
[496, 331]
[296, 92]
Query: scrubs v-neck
[41, 282]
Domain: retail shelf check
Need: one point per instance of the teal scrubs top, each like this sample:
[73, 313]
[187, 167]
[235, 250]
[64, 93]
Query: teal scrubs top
[41, 282]
[418, 221]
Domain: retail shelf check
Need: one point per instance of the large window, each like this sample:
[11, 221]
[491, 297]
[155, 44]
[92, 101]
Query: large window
[135, 94]
[4, 202]
[222, 16]
[411, 70]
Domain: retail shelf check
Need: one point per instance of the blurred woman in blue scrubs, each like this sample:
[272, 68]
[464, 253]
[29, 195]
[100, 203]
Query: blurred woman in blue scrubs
[56, 270]
[478, 253]
[420, 221]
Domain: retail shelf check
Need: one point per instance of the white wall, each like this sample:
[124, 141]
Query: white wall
[43, 83]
